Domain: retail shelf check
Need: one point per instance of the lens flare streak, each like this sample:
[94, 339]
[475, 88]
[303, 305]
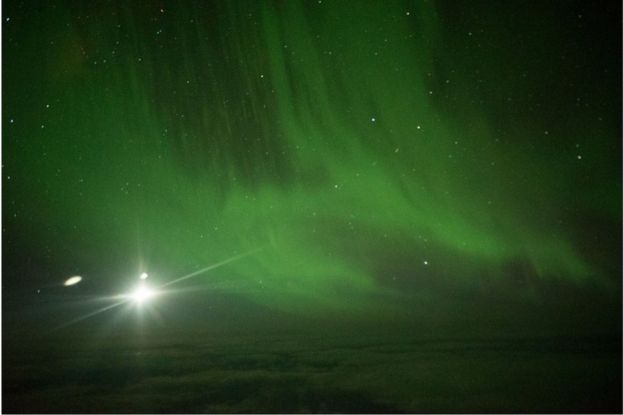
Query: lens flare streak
[94, 313]
[211, 267]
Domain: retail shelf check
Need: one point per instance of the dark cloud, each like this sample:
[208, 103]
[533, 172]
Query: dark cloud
[209, 373]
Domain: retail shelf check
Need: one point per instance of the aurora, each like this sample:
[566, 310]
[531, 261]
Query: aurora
[425, 168]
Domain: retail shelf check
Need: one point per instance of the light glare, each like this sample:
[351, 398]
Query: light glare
[141, 294]
[72, 280]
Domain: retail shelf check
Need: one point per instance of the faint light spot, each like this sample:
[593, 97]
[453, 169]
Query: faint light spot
[579, 157]
[425, 262]
[373, 119]
[143, 275]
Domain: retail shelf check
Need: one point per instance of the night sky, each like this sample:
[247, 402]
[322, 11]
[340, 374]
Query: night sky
[341, 206]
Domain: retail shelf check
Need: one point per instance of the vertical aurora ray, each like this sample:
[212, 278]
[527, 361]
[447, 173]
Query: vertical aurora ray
[314, 130]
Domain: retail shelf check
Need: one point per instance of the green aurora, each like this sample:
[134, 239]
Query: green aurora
[355, 146]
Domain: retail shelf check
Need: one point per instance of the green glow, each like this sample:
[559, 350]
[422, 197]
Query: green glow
[304, 129]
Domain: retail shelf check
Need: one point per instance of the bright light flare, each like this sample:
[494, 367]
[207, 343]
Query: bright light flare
[141, 294]
[72, 280]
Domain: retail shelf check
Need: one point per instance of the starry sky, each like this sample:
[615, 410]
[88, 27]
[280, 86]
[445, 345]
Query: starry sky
[433, 167]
